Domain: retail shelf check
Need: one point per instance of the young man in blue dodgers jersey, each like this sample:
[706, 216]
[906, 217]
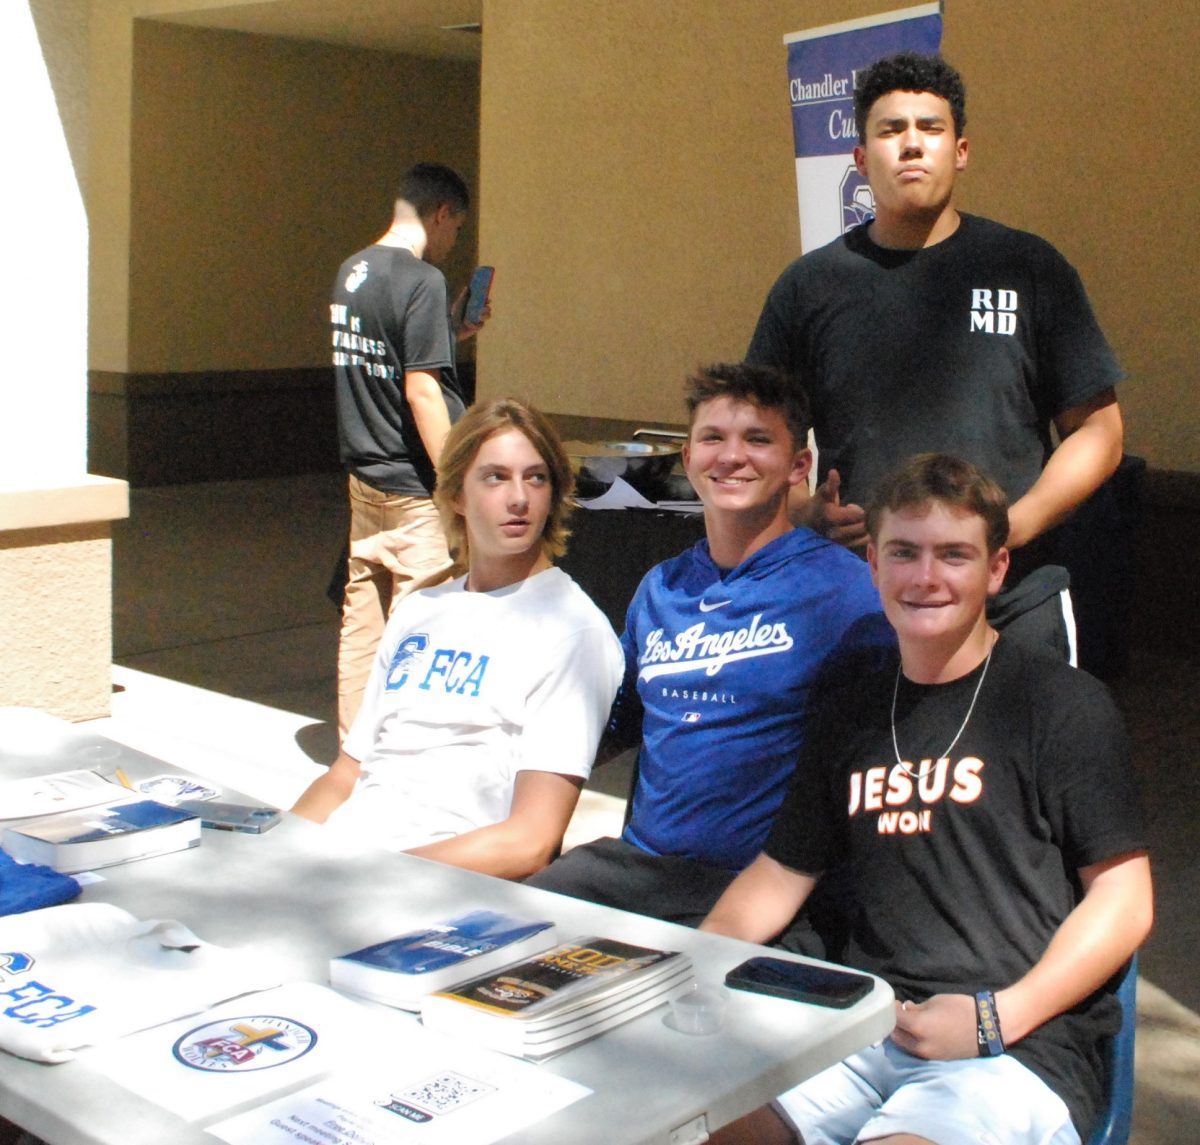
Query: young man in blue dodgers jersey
[981, 796]
[929, 329]
[726, 646]
[489, 693]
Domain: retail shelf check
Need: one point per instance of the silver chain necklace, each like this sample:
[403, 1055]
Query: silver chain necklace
[907, 767]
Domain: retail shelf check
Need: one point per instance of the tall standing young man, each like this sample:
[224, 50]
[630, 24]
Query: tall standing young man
[929, 329]
[981, 797]
[726, 647]
[397, 396]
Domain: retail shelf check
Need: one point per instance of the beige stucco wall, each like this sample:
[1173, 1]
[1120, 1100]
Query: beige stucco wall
[56, 619]
[639, 199]
[258, 164]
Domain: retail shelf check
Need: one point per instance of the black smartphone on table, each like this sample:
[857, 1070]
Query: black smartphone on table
[800, 982]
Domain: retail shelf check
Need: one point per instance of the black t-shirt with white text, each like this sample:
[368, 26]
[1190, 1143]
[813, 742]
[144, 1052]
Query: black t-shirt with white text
[963, 867]
[969, 347]
[388, 317]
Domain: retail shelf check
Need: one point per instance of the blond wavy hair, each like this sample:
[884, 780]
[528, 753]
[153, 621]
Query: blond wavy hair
[467, 435]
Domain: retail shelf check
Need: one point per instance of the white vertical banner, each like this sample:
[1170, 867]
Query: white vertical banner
[822, 64]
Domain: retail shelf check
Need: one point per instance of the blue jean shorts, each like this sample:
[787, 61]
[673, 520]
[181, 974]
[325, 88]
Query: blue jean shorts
[883, 1091]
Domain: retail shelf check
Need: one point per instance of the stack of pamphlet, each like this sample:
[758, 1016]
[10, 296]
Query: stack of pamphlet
[557, 999]
[402, 970]
[101, 835]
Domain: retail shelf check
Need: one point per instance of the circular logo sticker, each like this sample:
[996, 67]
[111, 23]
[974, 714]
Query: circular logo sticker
[239, 1045]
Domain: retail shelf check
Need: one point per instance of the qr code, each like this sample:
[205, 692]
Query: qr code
[444, 1092]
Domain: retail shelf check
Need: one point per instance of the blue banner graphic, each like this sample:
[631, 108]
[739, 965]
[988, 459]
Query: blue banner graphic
[822, 64]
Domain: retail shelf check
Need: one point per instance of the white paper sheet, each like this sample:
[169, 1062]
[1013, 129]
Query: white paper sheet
[431, 1091]
[619, 495]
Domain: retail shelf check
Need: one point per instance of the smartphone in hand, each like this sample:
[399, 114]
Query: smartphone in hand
[800, 981]
[478, 293]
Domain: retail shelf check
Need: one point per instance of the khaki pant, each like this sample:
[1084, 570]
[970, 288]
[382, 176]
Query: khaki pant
[396, 545]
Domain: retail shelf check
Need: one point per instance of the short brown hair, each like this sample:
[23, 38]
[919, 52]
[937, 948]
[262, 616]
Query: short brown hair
[426, 186]
[761, 386]
[463, 442]
[950, 481]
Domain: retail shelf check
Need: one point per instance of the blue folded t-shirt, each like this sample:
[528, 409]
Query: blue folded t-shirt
[30, 886]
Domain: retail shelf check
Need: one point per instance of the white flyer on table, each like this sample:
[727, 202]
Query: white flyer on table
[247, 1051]
[50, 794]
[437, 1092]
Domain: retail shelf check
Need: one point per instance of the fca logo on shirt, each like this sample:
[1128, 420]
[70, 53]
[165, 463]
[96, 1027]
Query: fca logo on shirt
[407, 656]
[14, 962]
[458, 672]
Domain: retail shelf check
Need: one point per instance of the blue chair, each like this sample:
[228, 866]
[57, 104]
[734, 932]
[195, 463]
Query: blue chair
[1118, 1115]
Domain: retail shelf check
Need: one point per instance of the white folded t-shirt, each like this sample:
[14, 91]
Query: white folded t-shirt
[85, 973]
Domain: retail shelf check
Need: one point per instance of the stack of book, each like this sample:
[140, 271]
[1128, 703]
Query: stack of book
[402, 970]
[555, 1000]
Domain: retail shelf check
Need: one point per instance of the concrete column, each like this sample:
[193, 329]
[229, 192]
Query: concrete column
[55, 535]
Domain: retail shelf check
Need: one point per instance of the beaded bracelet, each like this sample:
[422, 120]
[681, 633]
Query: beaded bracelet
[991, 1043]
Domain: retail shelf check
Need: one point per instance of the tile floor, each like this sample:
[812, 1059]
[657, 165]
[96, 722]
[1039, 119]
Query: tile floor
[225, 642]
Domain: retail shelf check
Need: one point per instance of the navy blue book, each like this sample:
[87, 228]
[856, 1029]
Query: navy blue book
[402, 970]
[94, 837]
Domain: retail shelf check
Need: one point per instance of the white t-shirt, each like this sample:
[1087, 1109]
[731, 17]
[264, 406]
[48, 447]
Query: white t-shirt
[469, 688]
[86, 973]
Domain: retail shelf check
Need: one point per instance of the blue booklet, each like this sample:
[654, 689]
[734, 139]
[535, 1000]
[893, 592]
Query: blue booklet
[93, 837]
[402, 970]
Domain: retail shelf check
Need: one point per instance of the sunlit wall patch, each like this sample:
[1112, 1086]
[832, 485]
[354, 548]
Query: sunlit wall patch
[245, 1044]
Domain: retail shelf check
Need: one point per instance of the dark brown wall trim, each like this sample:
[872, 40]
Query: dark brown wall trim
[216, 425]
[169, 429]
[207, 382]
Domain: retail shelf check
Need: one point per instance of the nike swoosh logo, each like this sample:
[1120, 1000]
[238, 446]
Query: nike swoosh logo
[712, 607]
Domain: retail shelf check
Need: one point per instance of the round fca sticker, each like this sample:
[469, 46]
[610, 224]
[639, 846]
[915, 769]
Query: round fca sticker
[239, 1045]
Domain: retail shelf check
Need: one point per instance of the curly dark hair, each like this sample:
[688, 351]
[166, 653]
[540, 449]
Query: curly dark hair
[909, 71]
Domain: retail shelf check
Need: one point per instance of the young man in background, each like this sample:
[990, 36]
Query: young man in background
[397, 395]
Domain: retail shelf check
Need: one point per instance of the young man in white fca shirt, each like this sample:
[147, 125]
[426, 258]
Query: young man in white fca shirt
[489, 692]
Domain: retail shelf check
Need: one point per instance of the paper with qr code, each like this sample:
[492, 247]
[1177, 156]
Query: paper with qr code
[441, 1093]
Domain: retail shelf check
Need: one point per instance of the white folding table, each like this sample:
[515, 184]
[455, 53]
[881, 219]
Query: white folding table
[303, 895]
